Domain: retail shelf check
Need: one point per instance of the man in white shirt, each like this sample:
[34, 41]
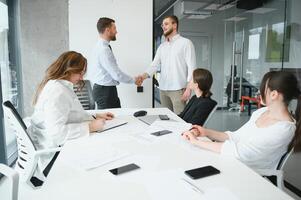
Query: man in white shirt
[176, 56]
[103, 70]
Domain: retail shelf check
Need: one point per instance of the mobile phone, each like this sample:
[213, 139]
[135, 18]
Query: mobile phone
[123, 169]
[163, 117]
[159, 133]
[202, 172]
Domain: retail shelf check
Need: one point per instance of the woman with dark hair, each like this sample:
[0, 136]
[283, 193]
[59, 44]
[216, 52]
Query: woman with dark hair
[58, 115]
[270, 132]
[201, 104]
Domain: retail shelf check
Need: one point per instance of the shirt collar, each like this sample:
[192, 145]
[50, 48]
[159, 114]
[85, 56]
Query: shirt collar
[104, 41]
[66, 83]
[175, 37]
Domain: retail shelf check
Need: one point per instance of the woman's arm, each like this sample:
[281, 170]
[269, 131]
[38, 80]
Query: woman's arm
[200, 131]
[208, 145]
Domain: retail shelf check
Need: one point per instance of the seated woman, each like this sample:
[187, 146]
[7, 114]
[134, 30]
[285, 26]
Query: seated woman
[200, 105]
[270, 132]
[58, 115]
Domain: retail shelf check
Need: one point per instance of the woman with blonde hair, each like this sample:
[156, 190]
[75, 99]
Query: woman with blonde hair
[58, 115]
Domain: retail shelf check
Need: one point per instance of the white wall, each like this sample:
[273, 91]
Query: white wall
[133, 47]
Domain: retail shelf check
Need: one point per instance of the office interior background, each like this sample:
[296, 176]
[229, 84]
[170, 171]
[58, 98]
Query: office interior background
[237, 42]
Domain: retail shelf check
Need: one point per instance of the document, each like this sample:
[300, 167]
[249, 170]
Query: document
[113, 123]
[88, 160]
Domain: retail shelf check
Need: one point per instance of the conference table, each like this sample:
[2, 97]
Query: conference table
[81, 170]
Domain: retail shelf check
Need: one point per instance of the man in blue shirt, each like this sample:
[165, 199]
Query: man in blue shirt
[103, 70]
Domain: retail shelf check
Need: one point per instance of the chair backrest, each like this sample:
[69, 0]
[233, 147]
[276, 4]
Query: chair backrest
[210, 115]
[85, 96]
[26, 148]
[13, 177]
[284, 159]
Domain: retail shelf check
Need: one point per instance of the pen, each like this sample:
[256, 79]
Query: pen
[193, 186]
[93, 116]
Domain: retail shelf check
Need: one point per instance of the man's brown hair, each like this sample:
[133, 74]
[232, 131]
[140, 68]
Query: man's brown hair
[104, 23]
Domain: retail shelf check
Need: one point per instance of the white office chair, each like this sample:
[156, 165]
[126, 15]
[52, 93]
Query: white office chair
[28, 155]
[278, 172]
[210, 115]
[13, 177]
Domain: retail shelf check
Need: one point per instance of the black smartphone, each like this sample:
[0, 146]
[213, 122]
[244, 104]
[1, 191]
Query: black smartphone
[163, 117]
[202, 172]
[159, 133]
[123, 169]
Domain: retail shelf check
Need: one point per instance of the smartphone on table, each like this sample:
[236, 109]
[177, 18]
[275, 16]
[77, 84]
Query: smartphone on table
[163, 117]
[160, 133]
[124, 169]
[202, 172]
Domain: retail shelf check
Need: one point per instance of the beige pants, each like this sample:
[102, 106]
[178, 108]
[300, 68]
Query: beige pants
[172, 100]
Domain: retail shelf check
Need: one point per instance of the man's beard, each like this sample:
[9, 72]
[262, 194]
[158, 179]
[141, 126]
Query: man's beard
[113, 38]
[167, 33]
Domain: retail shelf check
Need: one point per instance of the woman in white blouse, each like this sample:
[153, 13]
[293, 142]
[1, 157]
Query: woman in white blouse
[58, 115]
[270, 132]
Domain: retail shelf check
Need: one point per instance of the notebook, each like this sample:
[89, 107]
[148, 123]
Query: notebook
[114, 123]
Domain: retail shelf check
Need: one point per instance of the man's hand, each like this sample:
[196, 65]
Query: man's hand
[138, 80]
[186, 95]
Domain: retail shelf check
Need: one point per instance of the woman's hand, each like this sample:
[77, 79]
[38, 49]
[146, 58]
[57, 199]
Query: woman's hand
[106, 116]
[188, 135]
[198, 131]
[96, 125]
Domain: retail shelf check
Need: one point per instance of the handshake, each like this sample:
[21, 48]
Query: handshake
[140, 78]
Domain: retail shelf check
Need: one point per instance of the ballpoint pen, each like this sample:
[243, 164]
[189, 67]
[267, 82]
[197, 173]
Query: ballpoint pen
[195, 188]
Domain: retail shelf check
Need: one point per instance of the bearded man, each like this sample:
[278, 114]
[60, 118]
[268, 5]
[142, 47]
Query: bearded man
[176, 59]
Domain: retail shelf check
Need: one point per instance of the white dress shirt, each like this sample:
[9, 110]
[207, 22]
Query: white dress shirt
[259, 148]
[177, 60]
[58, 116]
[103, 68]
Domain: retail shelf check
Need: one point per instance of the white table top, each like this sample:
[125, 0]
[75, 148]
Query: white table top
[163, 161]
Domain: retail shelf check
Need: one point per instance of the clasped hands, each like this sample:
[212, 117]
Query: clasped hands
[193, 134]
[140, 78]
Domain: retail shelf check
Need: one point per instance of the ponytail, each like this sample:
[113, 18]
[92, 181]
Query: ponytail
[296, 141]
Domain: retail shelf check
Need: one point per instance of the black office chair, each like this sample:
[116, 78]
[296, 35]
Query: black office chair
[85, 95]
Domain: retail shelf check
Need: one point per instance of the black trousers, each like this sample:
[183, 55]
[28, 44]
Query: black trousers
[106, 96]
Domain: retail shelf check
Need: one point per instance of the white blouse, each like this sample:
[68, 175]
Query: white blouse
[259, 148]
[58, 116]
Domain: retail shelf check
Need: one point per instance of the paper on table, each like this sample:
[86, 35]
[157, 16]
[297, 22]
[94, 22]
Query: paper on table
[89, 160]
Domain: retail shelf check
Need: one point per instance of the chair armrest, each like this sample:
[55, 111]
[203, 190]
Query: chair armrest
[51, 150]
[14, 177]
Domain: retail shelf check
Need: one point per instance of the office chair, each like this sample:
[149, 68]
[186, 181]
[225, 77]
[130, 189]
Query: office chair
[278, 172]
[85, 95]
[28, 155]
[210, 115]
[13, 177]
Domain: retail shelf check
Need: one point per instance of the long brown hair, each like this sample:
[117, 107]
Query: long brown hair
[203, 78]
[68, 63]
[287, 84]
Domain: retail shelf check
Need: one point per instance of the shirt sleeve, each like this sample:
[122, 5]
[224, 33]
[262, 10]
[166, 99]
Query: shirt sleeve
[190, 59]
[155, 64]
[109, 62]
[257, 148]
[56, 114]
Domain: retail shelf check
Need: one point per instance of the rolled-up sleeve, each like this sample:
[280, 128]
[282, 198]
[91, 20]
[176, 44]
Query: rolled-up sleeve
[190, 59]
